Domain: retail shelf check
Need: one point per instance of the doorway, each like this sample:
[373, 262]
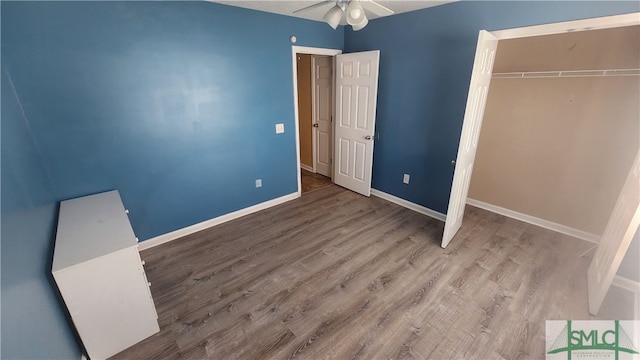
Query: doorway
[315, 114]
[313, 102]
[355, 81]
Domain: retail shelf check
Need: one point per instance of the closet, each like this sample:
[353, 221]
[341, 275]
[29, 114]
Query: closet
[561, 127]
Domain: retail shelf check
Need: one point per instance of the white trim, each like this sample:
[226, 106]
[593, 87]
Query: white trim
[161, 239]
[305, 50]
[632, 286]
[592, 238]
[306, 167]
[315, 51]
[626, 283]
[409, 205]
[606, 22]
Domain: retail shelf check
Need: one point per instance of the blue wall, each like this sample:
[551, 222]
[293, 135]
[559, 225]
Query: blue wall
[172, 103]
[33, 322]
[426, 58]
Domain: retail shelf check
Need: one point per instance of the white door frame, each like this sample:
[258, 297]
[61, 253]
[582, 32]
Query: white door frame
[606, 22]
[313, 51]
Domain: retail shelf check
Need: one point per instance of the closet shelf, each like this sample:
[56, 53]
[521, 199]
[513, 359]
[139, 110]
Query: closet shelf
[569, 73]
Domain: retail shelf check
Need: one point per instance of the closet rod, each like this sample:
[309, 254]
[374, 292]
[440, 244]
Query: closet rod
[568, 73]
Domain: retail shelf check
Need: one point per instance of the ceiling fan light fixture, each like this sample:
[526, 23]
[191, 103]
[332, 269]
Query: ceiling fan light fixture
[361, 25]
[355, 13]
[333, 16]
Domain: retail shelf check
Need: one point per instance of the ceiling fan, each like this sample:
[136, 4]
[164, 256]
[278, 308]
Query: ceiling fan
[351, 10]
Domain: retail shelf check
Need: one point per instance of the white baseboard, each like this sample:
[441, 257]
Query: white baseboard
[627, 284]
[306, 167]
[409, 205]
[161, 239]
[634, 287]
[536, 221]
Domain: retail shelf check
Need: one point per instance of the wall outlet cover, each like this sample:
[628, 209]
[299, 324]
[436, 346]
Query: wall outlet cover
[405, 178]
[258, 183]
[279, 128]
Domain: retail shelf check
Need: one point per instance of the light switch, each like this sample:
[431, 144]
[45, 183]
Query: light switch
[279, 128]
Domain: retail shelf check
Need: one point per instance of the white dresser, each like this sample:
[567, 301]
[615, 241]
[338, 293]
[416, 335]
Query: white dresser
[98, 270]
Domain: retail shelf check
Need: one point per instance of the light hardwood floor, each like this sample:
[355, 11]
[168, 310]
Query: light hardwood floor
[313, 181]
[335, 275]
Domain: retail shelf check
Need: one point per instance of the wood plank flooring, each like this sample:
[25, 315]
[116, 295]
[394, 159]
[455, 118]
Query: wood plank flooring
[313, 181]
[335, 275]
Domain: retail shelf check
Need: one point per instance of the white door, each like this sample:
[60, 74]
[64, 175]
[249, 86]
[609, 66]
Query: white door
[356, 96]
[322, 113]
[622, 225]
[474, 112]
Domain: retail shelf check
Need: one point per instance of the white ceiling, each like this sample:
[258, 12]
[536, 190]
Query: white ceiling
[288, 7]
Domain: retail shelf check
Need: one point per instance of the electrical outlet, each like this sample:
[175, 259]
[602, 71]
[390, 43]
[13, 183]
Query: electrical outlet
[279, 128]
[405, 178]
[258, 183]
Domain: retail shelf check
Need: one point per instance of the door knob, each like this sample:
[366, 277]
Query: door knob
[316, 125]
[453, 162]
[368, 137]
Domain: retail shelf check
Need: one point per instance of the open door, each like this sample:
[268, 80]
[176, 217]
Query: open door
[355, 105]
[615, 241]
[322, 113]
[474, 112]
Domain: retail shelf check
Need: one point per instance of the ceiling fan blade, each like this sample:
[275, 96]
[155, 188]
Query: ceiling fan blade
[314, 6]
[376, 8]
